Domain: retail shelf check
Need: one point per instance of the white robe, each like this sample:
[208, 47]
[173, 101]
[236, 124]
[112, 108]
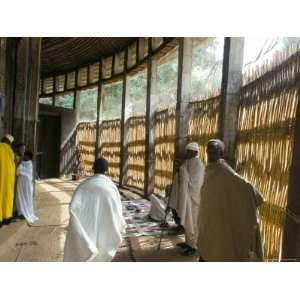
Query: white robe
[158, 208]
[185, 197]
[96, 222]
[24, 191]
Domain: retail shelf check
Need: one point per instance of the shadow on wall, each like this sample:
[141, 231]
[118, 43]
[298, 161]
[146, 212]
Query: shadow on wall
[69, 155]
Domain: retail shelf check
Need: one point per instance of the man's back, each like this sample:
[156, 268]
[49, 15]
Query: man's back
[227, 220]
[96, 221]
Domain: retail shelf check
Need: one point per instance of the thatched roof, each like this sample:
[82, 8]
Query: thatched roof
[63, 54]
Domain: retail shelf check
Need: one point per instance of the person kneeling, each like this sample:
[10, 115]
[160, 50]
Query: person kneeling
[96, 222]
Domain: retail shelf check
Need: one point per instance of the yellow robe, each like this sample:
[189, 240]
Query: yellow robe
[7, 181]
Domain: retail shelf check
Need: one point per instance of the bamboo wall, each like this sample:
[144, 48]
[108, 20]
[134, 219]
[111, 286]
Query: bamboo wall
[265, 140]
[136, 152]
[109, 140]
[86, 139]
[203, 123]
[266, 121]
[164, 149]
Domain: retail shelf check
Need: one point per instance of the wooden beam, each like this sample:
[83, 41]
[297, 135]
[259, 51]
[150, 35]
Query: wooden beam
[291, 236]
[42, 87]
[26, 90]
[88, 74]
[185, 52]
[37, 50]
[123, 140]
[230, 94]
[150, 135]
[99, 100]
[76, 78]
[53, 93]
[137, 52]
[150, 52]
[113, 65]
[65, 82]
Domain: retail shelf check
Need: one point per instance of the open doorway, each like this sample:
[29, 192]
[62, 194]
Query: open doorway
[49, 135]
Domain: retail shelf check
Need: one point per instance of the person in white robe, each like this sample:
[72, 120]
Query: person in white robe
[228, 215]
[158, 208]
[24, 189]
[185, 196]
[96, 221]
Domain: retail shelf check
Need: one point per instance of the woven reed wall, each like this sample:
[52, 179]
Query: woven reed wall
[110, 146]
[86, 139]
[136, 152]
[203, 122]
[165, 122]
[265, 140]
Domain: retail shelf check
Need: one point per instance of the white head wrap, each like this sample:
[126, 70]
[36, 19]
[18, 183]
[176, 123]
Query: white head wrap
[9, 137]
[192, 146]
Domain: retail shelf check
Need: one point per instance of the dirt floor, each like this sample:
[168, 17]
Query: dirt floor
[44, 241]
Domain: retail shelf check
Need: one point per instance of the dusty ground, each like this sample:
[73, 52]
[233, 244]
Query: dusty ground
[45, 240]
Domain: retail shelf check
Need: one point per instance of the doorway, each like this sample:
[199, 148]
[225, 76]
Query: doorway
[48, 156]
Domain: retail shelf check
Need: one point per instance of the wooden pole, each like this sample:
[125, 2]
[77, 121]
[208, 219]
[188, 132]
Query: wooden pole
[291, 236]
[99, 99]
[149, 139]
[230, 94]
[185, 52]
[123, 139]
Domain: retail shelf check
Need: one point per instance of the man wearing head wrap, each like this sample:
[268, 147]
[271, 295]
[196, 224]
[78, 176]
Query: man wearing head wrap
[96, 221]
[185, 196]
[228, 225]
[7, 179]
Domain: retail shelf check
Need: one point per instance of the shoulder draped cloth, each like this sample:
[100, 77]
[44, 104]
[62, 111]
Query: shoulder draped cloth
[228, 225]
[185, 197]
[7, 181]
[96, 222]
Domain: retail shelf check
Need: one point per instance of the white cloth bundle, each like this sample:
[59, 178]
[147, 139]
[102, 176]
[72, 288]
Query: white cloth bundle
[96, 221]
[158, 208]
[24, 191]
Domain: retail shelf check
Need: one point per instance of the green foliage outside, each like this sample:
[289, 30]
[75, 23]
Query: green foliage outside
[45, 100]
[88, 104]
[137, 93]
[167, 74]
[65, 101]
[112, 103]
[207, 63]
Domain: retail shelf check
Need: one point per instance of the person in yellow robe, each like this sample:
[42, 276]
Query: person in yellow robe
[7, 179]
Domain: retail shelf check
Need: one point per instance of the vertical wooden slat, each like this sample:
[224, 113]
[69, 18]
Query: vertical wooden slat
[65, 82]
[99, 99]
[230, 94]
[291, 237]
[123, 125]
[113, 65]
[149, 139]
[183, 95]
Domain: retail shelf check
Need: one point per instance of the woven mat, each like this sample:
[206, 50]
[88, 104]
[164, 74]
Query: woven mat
[138, 222]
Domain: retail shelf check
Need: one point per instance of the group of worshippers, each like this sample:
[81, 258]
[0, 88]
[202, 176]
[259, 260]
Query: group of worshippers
[214, 206]
[16, 182]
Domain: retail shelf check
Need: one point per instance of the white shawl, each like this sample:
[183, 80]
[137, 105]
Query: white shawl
[185, 197]
[24, 191]
[96, 221]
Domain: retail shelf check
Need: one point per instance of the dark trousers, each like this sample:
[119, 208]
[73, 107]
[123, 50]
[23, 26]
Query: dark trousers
[176, 217]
